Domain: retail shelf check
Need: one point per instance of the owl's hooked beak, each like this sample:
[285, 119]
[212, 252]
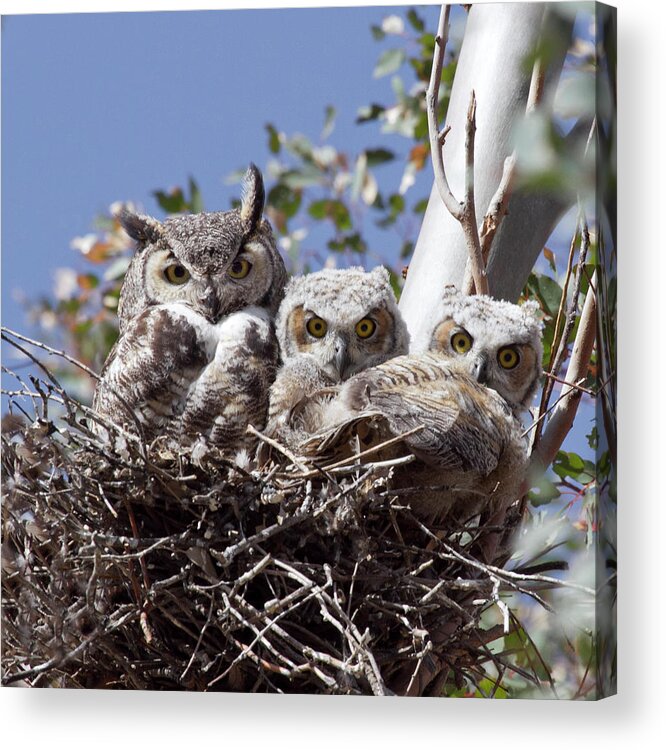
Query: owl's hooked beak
[340, 362]
[210, 303]
[479, 369]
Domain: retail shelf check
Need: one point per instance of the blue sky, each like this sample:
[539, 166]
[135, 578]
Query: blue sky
[98, 108]
[105, 107]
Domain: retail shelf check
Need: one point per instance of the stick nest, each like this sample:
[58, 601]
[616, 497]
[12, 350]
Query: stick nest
[142, 567]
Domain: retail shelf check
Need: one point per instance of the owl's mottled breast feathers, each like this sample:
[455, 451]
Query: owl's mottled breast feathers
[197, 349]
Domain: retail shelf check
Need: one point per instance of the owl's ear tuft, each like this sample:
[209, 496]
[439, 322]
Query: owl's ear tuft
[252, 199]
[143, 229]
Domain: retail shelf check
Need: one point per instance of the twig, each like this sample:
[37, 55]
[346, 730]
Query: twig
[562, 381]
[278, 447]
[468, 221]
[364, 454]
[432, 99]
[559, 351]
[499, 203]
[465, 211]
[50, 350]
[565, 411]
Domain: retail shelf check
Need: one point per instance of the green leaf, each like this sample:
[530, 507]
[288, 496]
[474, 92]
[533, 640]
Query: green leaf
[284, 199]
[573, 466]
[550, 293]
[489, 687]
[389, 61]
[273, 139]
[415, 20]
[421, 127]
[329, 122]
[543, 493]
[331, 209]
[396, 283]
[196, 205]
[397, 203]
[371, 112]
[406, 249]
[377, 32]
[420, 206]
[350, 241]
[377, 156]
[318, 209]
[305, 177]
[172, 202]
[427, 42]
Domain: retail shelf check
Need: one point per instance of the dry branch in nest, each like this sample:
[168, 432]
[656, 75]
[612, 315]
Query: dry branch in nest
[137, 567]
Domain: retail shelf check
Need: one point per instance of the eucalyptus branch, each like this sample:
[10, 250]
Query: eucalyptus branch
[464, 212]
[499, 203]
[432, 100]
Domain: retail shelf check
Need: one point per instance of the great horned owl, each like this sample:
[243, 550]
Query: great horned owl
[331, 325]
[460, 402]
[496, 342]
[197, 349]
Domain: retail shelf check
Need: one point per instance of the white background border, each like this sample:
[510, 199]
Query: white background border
[124, 720]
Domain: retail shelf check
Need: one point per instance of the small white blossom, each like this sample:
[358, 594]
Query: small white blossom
[65, 284]
[407, 181]
[393, 25]
[84, 244]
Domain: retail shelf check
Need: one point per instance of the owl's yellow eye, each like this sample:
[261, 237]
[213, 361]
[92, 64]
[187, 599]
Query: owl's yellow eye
[317, 327]
[240, 268]
[365, 328]
[461, 342]
[508, 357]
[176, 274]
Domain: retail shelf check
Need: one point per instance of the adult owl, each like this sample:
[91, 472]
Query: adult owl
[459, 402]
[197, 350]
[331, 325]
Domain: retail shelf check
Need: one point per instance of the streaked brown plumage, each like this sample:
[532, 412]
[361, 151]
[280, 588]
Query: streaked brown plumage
[357, 325]
[459, 394]
[468, 448]
[197, 349]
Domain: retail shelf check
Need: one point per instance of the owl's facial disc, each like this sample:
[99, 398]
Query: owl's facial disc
[169, 280]
[344, 341]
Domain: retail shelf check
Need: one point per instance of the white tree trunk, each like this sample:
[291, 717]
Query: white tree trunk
[498, 38]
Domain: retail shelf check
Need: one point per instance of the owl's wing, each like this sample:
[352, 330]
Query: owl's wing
[147, 374]
[463, 425]
[459, 426]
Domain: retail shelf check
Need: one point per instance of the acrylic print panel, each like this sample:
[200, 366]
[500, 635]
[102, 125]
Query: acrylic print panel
[398, 479]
